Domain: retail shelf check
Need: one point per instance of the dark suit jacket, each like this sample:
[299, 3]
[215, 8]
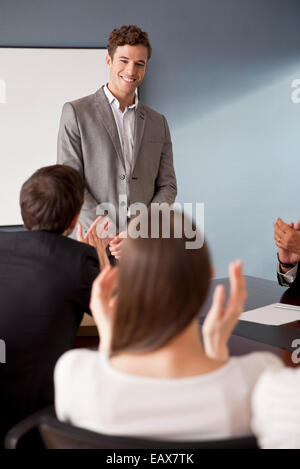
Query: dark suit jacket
[45, 283]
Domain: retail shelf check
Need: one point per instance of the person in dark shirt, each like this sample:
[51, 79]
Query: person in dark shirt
[287, 239]
[45, 284]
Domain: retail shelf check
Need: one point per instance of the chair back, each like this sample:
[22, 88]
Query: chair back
[60, 435]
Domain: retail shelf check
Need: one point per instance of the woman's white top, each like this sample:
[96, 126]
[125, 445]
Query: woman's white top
[276, 409]
[91, 393]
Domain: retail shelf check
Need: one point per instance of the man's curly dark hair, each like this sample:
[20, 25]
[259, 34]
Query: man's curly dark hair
[128, 35]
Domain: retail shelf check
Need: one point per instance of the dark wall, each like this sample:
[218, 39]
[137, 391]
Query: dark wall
[197, 44]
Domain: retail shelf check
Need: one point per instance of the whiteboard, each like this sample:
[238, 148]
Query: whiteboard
[34, 85]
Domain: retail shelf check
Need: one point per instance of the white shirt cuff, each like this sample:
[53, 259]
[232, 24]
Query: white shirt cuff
[287, 278]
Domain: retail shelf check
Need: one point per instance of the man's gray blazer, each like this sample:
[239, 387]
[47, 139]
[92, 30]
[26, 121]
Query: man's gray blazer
[88, 140]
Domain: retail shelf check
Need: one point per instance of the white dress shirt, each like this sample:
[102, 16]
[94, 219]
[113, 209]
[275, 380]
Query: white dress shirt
[287, 278]
[125, 122]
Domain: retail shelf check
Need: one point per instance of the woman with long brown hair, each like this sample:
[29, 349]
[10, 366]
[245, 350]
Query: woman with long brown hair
[153, 377]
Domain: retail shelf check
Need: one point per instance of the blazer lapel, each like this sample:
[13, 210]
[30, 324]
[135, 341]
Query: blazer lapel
[140, 120]
[107, 119]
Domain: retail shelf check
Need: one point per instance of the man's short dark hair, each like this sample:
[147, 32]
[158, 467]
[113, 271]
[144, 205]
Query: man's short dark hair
[128, 35]
[51, 198]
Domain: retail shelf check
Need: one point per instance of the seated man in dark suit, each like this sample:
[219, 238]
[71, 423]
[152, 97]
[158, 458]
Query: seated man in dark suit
[287, 239]
[45, 283]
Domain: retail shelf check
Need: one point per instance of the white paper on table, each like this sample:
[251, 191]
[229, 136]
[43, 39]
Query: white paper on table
[273, 315]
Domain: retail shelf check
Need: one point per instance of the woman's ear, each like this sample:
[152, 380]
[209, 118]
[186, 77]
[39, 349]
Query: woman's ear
[212, 272]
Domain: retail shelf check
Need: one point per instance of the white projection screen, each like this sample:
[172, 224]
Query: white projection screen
[34, 85]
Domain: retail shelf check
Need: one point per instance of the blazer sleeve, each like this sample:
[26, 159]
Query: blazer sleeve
[69, 152]
[165, 184]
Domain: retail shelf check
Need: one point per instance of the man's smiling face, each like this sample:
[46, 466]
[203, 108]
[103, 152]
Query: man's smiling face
[127, 69]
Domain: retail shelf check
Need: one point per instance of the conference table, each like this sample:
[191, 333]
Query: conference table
[247, 336]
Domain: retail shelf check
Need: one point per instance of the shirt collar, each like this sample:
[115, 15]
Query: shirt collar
[111, 98]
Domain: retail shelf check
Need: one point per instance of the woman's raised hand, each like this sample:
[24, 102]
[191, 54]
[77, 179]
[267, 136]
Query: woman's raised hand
[103, 303]
[221, 319]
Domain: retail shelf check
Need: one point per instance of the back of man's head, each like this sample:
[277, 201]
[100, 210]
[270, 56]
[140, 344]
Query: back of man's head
[51, 198]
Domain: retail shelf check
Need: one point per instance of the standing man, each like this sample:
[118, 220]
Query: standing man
[119, 145]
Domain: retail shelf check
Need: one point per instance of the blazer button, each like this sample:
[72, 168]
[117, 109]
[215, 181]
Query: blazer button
[122, 176]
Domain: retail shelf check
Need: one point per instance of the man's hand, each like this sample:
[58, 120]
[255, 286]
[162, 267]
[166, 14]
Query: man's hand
[287, 239]
[115, 245]
[221, 320]
[98, 237]
[104, 229]
[100, 246]
[103, 303]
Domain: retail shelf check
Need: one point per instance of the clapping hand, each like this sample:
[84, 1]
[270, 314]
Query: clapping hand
[221, 320]
[287, 239]
[98, 227]
[103, 303]
[98, 237]
[115, 245]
